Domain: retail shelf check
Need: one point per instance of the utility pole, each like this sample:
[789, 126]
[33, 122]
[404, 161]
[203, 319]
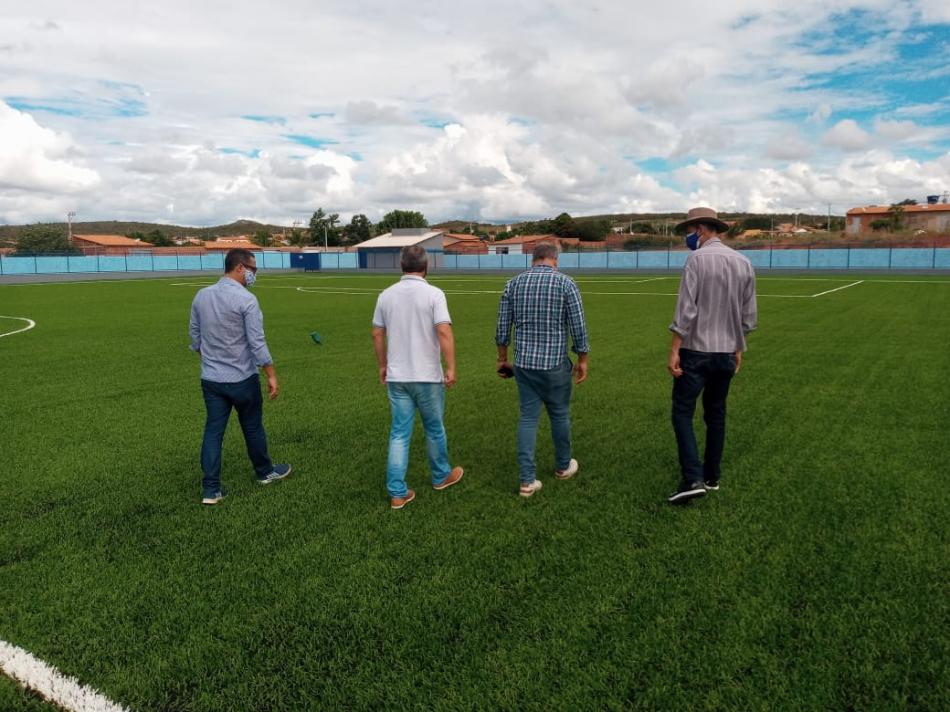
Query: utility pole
[69, 222]
[828, 226]
[324, 237]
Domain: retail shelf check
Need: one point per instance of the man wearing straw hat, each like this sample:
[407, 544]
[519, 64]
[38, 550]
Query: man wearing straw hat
[715, 310]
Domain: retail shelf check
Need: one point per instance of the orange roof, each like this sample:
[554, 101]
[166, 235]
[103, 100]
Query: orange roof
[111, 241]
[231, 244]
[450, 238]
[521, 239]
[886, 209]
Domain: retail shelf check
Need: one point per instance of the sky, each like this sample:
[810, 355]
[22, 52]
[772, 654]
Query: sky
[203, 113]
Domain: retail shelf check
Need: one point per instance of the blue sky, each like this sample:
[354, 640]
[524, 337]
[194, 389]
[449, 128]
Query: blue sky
[480, 111]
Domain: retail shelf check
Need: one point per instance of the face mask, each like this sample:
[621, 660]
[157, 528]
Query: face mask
[692, 240]
[249, 278]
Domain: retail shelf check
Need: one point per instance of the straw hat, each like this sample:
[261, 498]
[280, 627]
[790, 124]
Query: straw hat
[703, 215]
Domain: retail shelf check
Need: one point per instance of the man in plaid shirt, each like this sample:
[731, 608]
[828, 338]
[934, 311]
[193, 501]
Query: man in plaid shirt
[543, 305]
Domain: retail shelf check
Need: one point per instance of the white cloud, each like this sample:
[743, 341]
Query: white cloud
[550, 106]
[848, 136]
[38, 159]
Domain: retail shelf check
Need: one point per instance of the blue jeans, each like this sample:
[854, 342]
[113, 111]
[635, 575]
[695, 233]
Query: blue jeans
[709, 374]
[245, 397]
[405, 399]
[552, 389]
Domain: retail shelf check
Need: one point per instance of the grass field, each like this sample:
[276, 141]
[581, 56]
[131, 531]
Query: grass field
[816, 578]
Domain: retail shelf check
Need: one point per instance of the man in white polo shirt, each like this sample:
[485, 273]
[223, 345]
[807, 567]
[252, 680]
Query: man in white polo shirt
[411, 330]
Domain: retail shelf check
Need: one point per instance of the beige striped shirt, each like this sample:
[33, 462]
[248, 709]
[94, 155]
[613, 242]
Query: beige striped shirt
[716, 305]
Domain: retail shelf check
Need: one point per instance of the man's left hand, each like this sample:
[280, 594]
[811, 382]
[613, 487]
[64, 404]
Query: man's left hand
[449, 377]
[580, 372]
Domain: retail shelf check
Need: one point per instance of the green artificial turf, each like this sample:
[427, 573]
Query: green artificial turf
[816, 578]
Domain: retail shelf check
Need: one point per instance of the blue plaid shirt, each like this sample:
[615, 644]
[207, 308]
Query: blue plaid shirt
[543, 305]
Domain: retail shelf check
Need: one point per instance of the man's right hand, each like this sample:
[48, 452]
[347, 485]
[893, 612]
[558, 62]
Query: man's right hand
[382, 375]
[580, 371]
[273, 388]
[738, 361]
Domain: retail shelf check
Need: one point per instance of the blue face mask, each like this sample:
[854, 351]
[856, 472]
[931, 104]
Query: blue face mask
[249, 278]
[692, 240]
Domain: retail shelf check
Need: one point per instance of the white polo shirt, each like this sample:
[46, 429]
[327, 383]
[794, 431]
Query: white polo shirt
[409, 311]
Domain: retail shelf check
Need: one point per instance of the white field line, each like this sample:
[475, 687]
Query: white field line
[29, 325]
[838, 289]
[67, 692]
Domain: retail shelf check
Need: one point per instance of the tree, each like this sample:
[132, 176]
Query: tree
[43, 238]
[880, 224]
[642, 228]
[907, 201]
[398, 219]
[323, 228]
[563, 225]
[359, 230]
[735, 229]
[297, 237]
[590, 230]
[263, 238]
[158, 238]
[896, 218]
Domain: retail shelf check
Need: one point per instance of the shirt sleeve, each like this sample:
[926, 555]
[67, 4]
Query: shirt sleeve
[440, 309]
[254, 330]
[505, 317]
[575, 319]
[379, 321]
[686, 309]
[750, 310]
[194, 327]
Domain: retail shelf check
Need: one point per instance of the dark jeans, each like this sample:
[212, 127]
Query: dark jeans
[245, 397]
[552, 389]
[709, 374]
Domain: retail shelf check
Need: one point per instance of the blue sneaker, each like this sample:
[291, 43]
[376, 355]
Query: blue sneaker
[213, 497]
[279, 473]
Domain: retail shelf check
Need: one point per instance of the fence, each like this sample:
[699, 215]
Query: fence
[846, 258]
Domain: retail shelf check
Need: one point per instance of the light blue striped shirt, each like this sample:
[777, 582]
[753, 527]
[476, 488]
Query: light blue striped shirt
[227, 329]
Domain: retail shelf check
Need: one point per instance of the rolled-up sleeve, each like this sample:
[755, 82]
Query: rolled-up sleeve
[750, 309]
[505, 318]
[254, 329]
[194, 327]
[575, 320]
[686, 308]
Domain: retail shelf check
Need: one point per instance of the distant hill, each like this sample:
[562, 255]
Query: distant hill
[115, 227]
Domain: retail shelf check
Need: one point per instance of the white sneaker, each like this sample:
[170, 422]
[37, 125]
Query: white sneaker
[528, 490]
[569, 472]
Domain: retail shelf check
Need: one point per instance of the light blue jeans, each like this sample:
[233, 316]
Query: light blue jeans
[552, 389]
[405, 399]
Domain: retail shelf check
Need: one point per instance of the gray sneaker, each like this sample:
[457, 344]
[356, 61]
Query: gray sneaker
[279, 473]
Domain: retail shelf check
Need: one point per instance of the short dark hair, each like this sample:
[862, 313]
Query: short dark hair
[235, 257]
[544, 251]
[413, 259]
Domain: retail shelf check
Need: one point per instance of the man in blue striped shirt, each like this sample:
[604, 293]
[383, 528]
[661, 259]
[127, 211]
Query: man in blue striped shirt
[543, 305]
[227, 331]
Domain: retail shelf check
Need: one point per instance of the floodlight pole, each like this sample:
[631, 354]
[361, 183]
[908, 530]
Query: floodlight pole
[69, 222]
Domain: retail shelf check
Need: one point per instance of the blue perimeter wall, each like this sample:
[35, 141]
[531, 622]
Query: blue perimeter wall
[838, 259]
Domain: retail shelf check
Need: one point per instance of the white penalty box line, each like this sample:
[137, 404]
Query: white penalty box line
[30, 324]
[50, 683]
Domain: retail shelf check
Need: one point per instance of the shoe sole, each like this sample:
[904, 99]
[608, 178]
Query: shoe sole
[686, 496]
[529, 493]
[275, 479]
[712, 488]
[446, 485]
[210, 502]
[566, 475]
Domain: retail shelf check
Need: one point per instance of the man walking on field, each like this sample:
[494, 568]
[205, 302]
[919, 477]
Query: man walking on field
[543, 305]
[715, 310]
[227, 331]
[411, 330]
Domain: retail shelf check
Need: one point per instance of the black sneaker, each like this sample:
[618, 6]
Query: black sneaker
[686, 492]
[711, 484]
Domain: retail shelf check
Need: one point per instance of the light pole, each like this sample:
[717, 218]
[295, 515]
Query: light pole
[69, 222]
